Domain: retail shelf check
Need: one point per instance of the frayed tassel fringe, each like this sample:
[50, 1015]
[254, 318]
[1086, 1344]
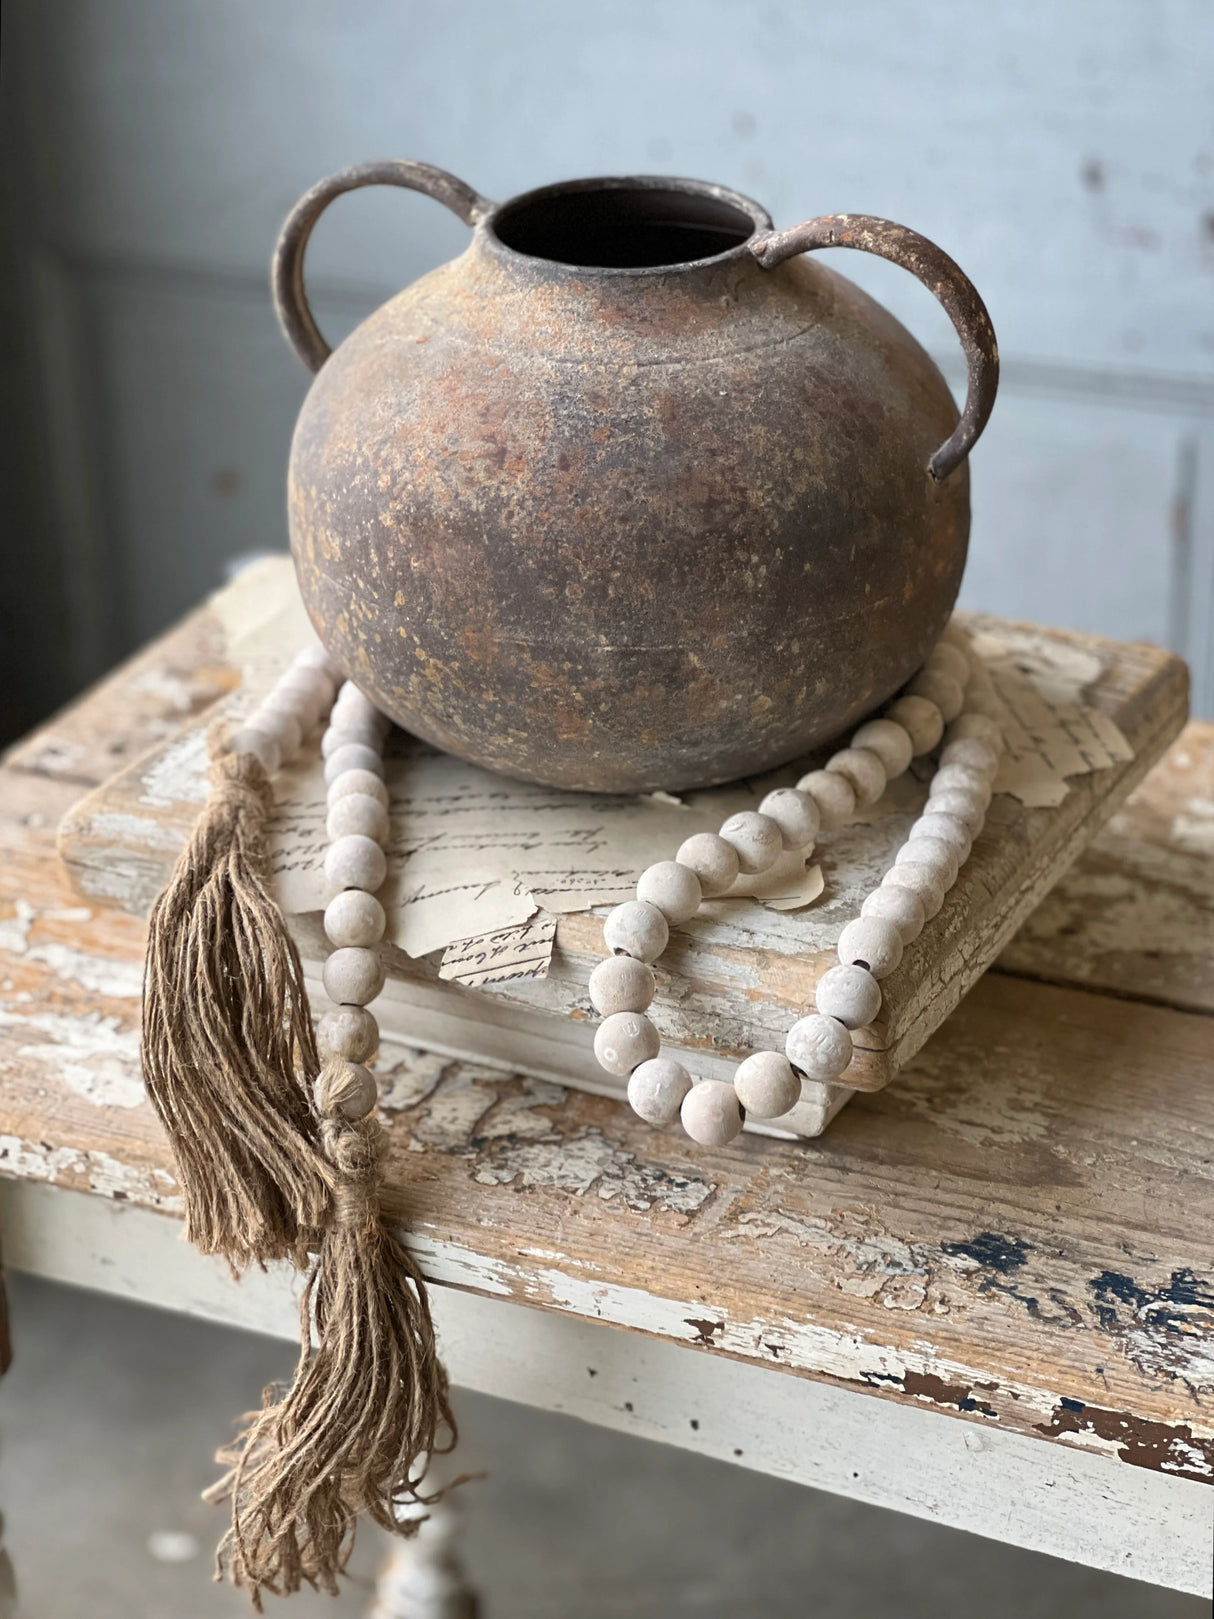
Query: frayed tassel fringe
[268, 1173]
[367, 1409]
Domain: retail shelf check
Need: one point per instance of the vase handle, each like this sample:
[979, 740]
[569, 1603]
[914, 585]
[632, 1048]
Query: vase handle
[290, 300]
[950, 285]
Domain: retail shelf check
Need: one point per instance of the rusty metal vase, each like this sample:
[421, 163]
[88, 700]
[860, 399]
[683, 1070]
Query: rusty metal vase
[631, 495]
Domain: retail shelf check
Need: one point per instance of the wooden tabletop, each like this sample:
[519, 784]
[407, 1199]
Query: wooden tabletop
[1019, 1231]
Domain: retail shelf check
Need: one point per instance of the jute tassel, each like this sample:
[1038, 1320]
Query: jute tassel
[227, 1035]
[369, 1403]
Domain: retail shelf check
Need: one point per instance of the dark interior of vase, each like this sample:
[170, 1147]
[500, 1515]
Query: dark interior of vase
[623, 228]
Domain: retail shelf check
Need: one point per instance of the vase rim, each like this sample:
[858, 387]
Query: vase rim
[651, 224]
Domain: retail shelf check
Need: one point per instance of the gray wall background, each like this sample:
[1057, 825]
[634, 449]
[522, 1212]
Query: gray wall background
[1064, 154]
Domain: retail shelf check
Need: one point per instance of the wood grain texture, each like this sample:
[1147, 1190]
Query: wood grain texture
[734, 979]
[1135, 916]
[1019, 1232]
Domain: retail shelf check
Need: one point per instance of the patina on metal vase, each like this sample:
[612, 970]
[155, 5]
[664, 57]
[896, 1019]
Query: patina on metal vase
[631, 495]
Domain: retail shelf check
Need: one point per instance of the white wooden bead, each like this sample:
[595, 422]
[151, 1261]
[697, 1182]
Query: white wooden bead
[926, 881]
[362, 782]
[353, 977]
[354, 918]
[766, 1085]
[350, 1032]
[820, 1047]
[832, 793]
[796, 814]
[714, 862]
[621, 984]
[756, 838]
[354, 702]
[711, 1113]
[923, 721]
[982, 698]
[346, 1089]
[938, 688]
[266, 748]
[954, 635]
[900, 906]
[371, 733]
[981, 727]
[343, 717]
[673, 888]
[355, 862]
[305, 690]
[872, 942]
[948, 658]
[308, 691]
[964, 780]
[943, 858]
[341, 733]
[315, 657]
[656, 1089]
[353, 756]
[864, 770]
[850, 994]
[638, 929]
[937, 823]
[967, 807]
[284, 724]
[973, 754]
[318, 667]
[358, 812]
[891, 743]
[624, 1040]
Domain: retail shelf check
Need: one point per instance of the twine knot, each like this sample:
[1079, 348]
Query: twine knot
[239, 780]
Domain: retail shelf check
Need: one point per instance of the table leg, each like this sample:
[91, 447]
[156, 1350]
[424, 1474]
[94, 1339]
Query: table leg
[8, 1584]
[423, 1577]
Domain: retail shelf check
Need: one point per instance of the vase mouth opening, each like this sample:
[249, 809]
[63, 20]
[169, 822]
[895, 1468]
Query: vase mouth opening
[630, 227]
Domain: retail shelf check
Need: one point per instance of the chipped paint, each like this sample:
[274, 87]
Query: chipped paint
[501, 1119]
[178, 775]
[89, 1171]
[126, 829]
[1166, 1328]
[588, 1162]
[116, 977]
[1141, 1443]
[96, 1056]
[1004, 1254]
[812, 1349]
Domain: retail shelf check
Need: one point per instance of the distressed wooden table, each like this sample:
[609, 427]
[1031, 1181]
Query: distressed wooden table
[985, 1298]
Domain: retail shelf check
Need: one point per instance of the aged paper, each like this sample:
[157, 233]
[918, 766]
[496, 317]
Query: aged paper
[510, 956]
[1050, 733]
[435, 902]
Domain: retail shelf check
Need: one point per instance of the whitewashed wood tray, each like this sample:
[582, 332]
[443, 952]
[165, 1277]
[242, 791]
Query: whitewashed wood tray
[506, 882]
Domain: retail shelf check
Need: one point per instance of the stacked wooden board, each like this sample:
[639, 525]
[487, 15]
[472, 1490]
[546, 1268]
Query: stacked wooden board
[1096, 715]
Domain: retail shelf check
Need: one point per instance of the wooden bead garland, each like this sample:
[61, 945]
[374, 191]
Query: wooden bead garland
[355, 868]
[932, 708]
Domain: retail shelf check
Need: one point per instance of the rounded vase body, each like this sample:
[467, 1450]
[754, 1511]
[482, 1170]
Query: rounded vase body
[626, 527]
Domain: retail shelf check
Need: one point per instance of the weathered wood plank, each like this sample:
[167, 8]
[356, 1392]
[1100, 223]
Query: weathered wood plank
[1029, 1492]
[146, 699]
[1135, 916]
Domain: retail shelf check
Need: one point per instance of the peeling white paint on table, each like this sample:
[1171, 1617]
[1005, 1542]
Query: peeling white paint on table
[1022, 1491]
